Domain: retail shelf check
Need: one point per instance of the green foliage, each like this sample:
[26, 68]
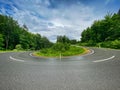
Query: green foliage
[73, 41]
[73, 51]
[61, 47]
[63, 39]
[111, 44]
[1, 42]
[50, 52]
[18, 47]
[116, 44]
[106, 44]
[11, 34]
[106, 32]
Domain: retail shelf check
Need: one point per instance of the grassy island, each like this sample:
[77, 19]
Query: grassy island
[60, 49]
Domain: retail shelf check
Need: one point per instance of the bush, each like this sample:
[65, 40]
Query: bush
[115, 44]
[18, 47]
[111, 44]
[61, 47]
[44, 51]
[106, 44]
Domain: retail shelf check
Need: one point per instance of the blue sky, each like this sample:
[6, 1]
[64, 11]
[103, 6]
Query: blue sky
[58, 17]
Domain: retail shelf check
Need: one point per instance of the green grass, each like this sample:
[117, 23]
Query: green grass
[5, 51]
[52, 53]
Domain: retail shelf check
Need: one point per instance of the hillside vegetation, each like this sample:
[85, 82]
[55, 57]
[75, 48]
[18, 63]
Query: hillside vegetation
[14, 36]
[103, 33]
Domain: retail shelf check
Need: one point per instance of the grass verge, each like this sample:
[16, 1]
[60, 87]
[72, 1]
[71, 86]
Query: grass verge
[5, 51]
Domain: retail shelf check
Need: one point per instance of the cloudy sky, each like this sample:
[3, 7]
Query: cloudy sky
[58, 17]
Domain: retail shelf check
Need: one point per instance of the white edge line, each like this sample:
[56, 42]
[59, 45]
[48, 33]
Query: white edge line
[92, 51]
[16, 59]
[104, 59]
[31, 54]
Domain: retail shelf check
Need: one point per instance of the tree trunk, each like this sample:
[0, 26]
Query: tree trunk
[7, 42]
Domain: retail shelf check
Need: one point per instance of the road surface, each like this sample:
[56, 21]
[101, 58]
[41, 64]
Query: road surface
[98, 70]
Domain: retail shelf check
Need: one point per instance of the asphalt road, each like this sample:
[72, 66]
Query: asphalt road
[98, 70]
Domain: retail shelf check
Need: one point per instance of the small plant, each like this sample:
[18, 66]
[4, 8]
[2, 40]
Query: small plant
[18, 47]
[61, 47]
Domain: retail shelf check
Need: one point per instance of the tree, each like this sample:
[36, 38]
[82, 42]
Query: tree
[45, 43]
[118, 12]
[1, 42]
[63, 39]
[86, 35]
[103, 31]
[12, 34]
[25, 27]
[73, 41]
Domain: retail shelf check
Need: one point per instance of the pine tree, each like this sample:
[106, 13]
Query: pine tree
[118, 12]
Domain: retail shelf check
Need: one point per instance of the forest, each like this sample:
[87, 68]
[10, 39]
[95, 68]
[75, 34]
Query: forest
[103, 33]
[14, 36]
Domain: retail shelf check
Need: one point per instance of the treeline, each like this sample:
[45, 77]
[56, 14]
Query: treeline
[62, 44]
[62, 47]
[103, 33]
[13, 36]
[65, 39]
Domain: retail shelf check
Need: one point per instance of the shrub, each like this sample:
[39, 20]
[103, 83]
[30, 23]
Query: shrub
[111, 44]
[61, 47]
[18, 47]
[115, 44]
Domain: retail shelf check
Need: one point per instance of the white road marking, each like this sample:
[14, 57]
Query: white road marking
[102, 60]
[31, 54]
[92, 52]
[16, 59]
